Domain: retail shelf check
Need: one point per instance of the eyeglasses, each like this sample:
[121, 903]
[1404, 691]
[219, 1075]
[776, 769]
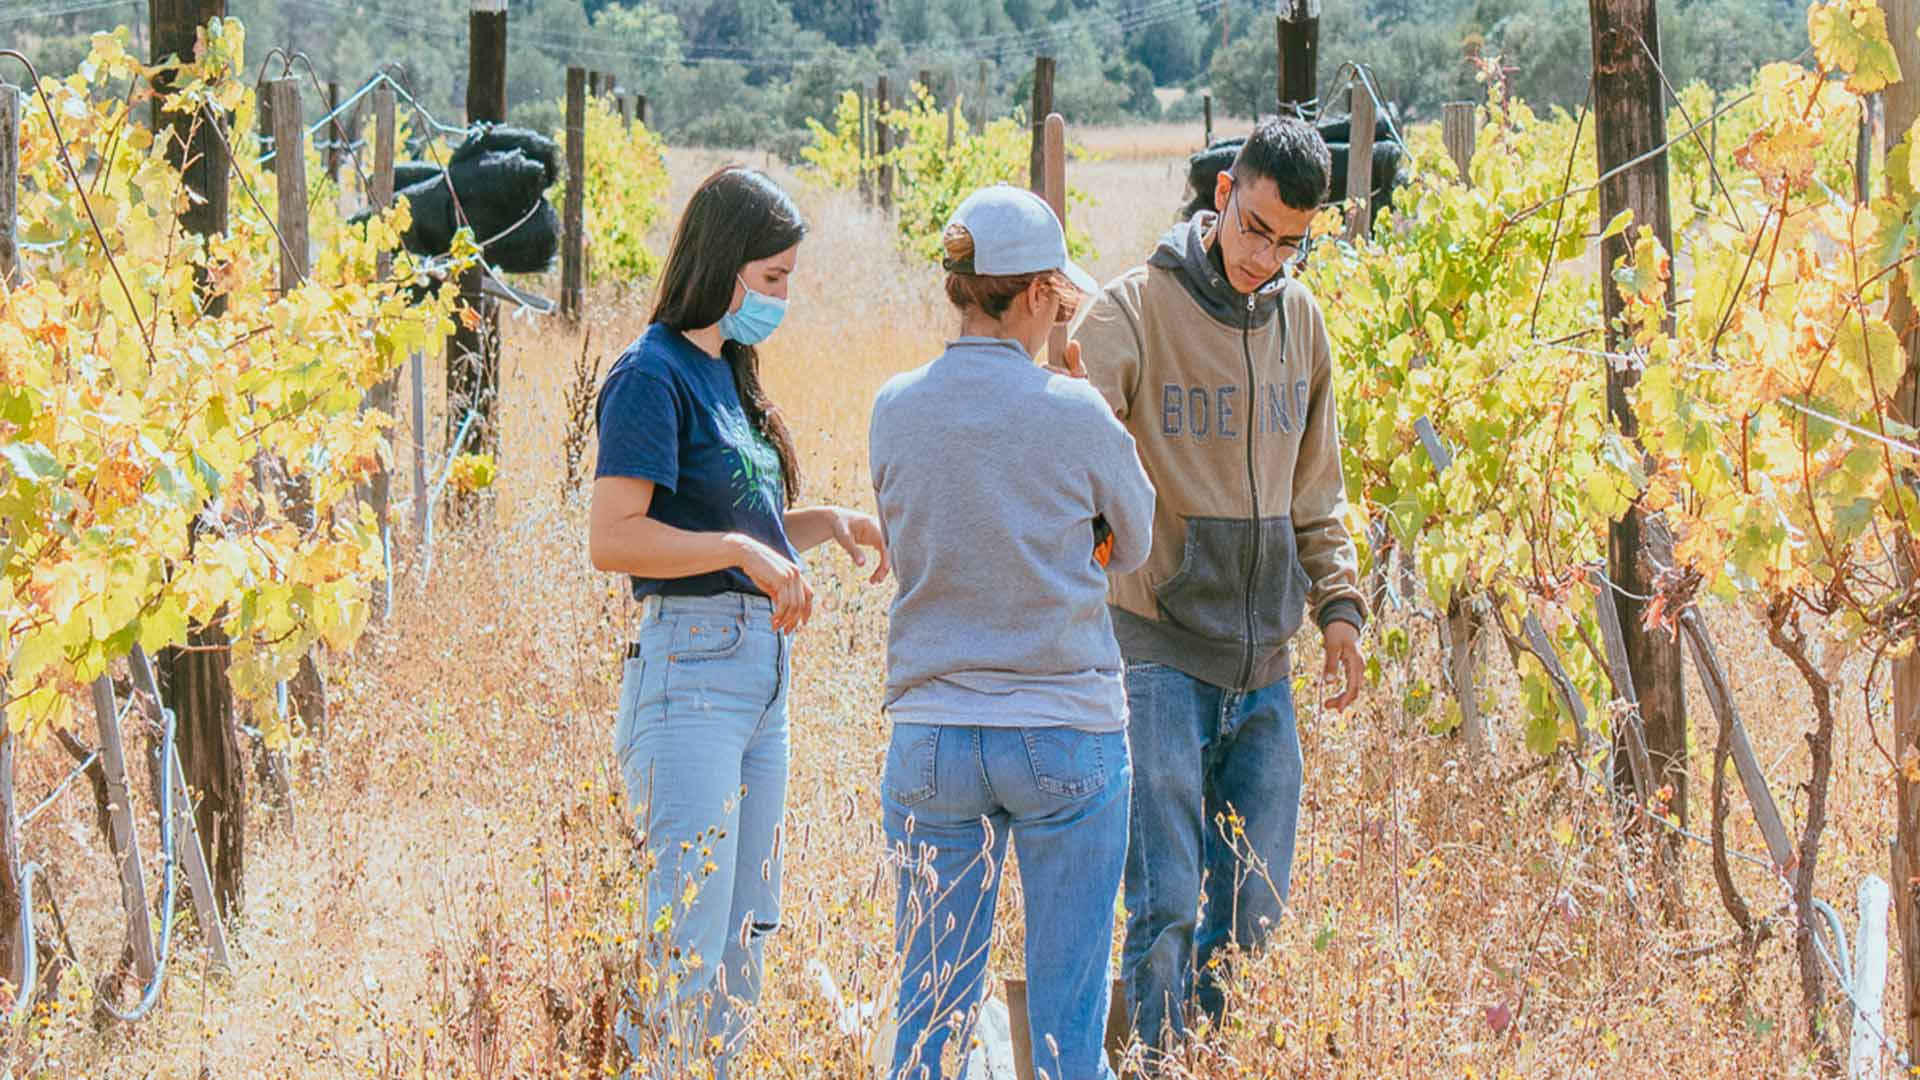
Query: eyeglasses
[1264, 244]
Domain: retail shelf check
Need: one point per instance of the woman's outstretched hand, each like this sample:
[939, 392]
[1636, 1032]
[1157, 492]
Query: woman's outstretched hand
[853, 530]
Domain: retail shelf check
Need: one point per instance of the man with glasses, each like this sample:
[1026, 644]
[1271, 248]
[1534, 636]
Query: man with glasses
[1217, 362]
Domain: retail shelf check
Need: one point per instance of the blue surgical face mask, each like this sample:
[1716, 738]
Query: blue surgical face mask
[759, 316]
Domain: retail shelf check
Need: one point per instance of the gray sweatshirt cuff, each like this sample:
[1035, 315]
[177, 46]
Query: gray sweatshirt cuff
[1341, 610]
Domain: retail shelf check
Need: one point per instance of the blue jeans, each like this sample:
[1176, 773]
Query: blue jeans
[701, 739]
[1216, 804]
[952, 796]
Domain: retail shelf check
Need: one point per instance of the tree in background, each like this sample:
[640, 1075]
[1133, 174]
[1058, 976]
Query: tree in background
[749, 73]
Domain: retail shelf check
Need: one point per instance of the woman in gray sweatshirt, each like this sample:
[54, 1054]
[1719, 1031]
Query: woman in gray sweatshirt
[1004, 683]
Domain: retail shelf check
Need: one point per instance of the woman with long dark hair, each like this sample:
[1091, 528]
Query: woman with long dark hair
[692, 500]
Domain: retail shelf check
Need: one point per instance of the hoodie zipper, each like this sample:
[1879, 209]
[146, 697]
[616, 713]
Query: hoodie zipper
[1253, 489]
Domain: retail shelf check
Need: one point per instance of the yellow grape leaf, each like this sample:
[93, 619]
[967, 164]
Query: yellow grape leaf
[1851, 36]
[1781, 154]
[1870, 351]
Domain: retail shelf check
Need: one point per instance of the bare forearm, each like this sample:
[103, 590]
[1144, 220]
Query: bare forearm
[644, 547]
[810, 526]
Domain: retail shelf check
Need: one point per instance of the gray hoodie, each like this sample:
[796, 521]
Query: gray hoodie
[989, 471]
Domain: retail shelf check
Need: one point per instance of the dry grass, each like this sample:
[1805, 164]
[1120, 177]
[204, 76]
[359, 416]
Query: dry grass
[454, 875]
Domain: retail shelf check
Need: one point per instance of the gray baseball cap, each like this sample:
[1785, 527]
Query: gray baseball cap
[1014, 232]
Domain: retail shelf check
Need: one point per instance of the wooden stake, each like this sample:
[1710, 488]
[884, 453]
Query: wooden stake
[1900, 108]
[1206, 110]
[417, 369]
[290, 175]
[1459, 124]
[573, 249]
[195, 679]
[883, 145]
[336, 135]
[866, 146]
[1629, 125]
[9, 183]
[1042, 108]
[473, 355]
[126, 845]
[1360, 161]
[1463, 630]
[13, 944]
[380, 197]
[1298, 29]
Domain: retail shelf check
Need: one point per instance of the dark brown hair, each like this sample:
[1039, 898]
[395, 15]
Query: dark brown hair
[995, 293]
[737, 216]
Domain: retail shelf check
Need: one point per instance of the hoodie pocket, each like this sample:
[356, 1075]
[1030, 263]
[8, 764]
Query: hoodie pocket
[1208, 594]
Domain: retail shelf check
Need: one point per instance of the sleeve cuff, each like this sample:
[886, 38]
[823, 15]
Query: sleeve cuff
[1341, 610]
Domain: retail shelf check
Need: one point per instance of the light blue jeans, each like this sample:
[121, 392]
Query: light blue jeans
[1217, 777]
[701, 738]
[952, 796]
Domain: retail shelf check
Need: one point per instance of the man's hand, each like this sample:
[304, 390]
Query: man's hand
[1342, 640]
[854, 530]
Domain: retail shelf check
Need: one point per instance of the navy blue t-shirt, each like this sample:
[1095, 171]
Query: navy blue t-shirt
[670, 413]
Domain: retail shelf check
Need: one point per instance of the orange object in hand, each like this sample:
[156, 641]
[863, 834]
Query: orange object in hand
[1102, 541]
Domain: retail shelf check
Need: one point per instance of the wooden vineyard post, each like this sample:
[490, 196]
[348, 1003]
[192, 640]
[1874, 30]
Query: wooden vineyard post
[13, 945]
[174, 24]
[865, 138]
[9, 182]
[953, 113]
[1459, 126]
[473, 352]
[381, 396]
[1630, 126]
[925, 82]
[1360, 161]
[307, 688]
[640, 109]
[883, 146]
[12, 950]
[194, 679]
[1863, 153]
[573, 240]
[1900, 104]
[1055, 149]
[1298, 29]
[1629, 732]
[1206, 112]
[282, 98]
[1464, 634]
[1042, 108]
[126, 846]
[336, 135]
[417, 376]
[624, 104]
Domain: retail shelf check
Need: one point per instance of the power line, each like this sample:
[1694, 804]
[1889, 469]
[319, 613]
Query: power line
[72, 7]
